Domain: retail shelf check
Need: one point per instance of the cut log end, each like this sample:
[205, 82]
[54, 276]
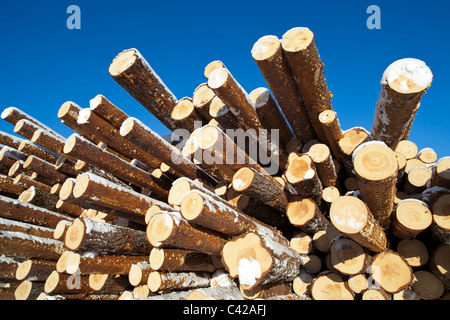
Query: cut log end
[183, 109]
[81, 185]
[192, 205]
[247, 259]
[297, 39]
[52, 282]
[23, 269]
[207, 137]
[122, 62]
[213, 66]
[375, 162]
[74, 235]
[265, 47]
[97, 281]
[154, 281]
[177, 191]
[408, 76]
[349, 214]
[300, 168]
[70, 143]
[23, 291]
[330, 286]
[391, 271]
[301, 211]
[243, 179]
[217, 78]
[159, 228]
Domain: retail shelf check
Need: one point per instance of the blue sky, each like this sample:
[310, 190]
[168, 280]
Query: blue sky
[45, 64]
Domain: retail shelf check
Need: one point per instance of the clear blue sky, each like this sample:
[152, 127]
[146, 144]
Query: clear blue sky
[45, 64]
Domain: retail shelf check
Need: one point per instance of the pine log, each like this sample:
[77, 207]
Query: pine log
[186, 115]
[201, 209]
[89, 186]
[26, 128]
[375, 294]
[427, 285]
[440, 263]
[202, 99]
[180, 260]
[235, 97]
[403, 84]
[409, 218]
[262, 187]
[33, 149]
[376, 169]
[353, 217]
[302, 174]
[332, 129]
[302, 243]
[220, 293]
[222, 114]
[28, 290]
[35, 270]
[39, 198]
[61, 283]
[89, 263]
[8, 268]
[14, 115]
[407, 148]
[50, 142]
[268, 55]
[268, 290]
[171, 229]
[305, 214]
[414, 252]
[105, 283]
[330, 286]
[350, 140]
[18, 244]
[135, 131]
[105, 109]
[8, 186]
[270, 114]
[88, 235]
[139, 272]
[441, 173]
[390, 271]
[9, 140]
[27, 182]
[158, 281]
[358, 283]
[136, 76]
[302, 284]
[46, 170]
[26, 228]
[60, 229]
[300, 50]
[86, 151]
[348, 257]
[323, 161]
[440, 228]
[111, 136]
[25, 212]
[257, 260]
[427, 155]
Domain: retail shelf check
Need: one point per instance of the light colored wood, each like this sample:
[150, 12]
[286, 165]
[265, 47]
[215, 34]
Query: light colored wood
[300, 50]
[202, 99]
[105, 109]
[28, 290]
[180, 260]
[171, 229]
[410, 217]
[257, 260]
[358, 283]
[403, 84]
[301, 173]
[323, 161]
[375, 294]
[391, 271]
[270, 114]
[376, 169]
[349, 141]
[427, 155]
[222, 114]
[440, 263]
[135, 75]
[35, 270]
[441, 173]
[407, 148]
[330, 286]
[305, 214]
[352, 216]
[158, 281]
[333, 132]
[440, 228]
[213, 65]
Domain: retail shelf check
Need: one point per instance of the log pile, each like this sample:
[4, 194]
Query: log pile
[116, 211]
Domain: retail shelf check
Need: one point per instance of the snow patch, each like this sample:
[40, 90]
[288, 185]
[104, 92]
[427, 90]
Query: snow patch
[249, 271]
[414, 69]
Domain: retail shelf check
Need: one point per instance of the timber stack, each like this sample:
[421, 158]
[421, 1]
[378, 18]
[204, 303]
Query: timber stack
[117, 211]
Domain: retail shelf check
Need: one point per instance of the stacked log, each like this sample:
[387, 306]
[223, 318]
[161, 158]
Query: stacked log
[116, 211]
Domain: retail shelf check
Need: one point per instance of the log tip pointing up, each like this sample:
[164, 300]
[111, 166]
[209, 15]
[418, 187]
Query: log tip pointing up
[217, 78]
[297, 39]
[348, 214]
[122, 62]
[7, 112]
[375, 161]
[408, 75]
[265, 47]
